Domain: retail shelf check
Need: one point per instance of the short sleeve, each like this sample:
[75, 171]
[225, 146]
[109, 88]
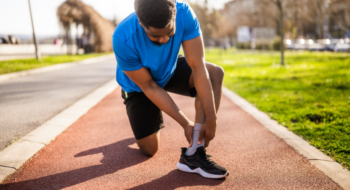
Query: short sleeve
[127, 58]
[192, 27]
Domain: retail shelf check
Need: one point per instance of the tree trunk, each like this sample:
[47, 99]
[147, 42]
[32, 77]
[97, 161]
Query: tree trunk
[321, 27]
[37, 51]
[320, 15]
[296, 16]
[77, 41]
[280, 8]
[70, 39]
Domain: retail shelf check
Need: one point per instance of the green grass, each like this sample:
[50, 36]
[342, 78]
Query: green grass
[310, 95]
[25, 64]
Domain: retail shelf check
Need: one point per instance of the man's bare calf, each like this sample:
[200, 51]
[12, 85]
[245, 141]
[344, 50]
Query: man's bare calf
[216, 74]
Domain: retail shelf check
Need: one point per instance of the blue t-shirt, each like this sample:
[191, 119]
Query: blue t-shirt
[134, 50]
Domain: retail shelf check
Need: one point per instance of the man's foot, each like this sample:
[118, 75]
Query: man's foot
[201, 163]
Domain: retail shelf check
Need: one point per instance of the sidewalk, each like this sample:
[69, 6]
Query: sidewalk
[11, 57]
[99, 152]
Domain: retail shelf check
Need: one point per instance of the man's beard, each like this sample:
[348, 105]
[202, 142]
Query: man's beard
[157, 43]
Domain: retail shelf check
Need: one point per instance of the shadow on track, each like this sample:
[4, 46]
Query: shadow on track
[117, 156]
[176, 179]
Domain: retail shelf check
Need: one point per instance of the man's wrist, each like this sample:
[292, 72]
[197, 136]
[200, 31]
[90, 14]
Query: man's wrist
[184, 121]
[187, 123]
[210, 119]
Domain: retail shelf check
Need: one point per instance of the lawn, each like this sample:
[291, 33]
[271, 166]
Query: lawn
[25, 64]
[310, 95]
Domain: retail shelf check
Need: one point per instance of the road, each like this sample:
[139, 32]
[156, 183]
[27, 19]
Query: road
[28, 102]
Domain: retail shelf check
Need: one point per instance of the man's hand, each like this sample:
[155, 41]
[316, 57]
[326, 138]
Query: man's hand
[188, 129]
[194, 53]
[160, 98]
[207, 131]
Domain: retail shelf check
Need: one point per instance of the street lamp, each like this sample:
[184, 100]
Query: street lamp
[289, 42]
[37, 53]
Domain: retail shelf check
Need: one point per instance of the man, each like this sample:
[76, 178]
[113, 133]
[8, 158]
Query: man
[146, 45]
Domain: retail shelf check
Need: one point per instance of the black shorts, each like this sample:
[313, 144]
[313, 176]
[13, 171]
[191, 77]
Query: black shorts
[144, 116]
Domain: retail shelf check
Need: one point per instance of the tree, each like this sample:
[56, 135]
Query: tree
[294, 17]
[318, 12]
[340, 13]
[208, 20]
[96, 28]
[251, 13]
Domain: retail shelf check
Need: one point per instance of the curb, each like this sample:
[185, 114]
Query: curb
[9, 76]
[332, 169]
[15, 155]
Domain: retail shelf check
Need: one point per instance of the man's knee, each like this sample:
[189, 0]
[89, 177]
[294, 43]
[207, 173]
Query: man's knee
[149, 145]
[216, 72]
[220, 72]
[149, 151]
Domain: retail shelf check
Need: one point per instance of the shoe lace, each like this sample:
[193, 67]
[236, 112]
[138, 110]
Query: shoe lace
[206, 158]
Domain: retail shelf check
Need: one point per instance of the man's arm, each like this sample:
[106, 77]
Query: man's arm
[161, 99]
[194, 53]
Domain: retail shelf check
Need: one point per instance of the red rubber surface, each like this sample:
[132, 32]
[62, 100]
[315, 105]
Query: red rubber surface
[97, 152]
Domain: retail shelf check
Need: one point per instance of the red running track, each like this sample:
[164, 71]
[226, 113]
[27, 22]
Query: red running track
[99, 152]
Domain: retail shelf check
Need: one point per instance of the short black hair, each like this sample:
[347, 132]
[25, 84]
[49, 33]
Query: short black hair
[155, 13]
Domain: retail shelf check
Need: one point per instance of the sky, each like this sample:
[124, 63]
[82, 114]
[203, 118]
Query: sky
[15, 16]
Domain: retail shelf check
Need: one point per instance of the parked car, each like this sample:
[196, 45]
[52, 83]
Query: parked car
[317, 47]
[341, 47]
[299, 46]
[338, 47]
[330, 47]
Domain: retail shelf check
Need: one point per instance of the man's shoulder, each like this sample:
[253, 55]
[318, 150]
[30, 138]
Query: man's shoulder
[182, 10]
[129, 26]
[181, 6]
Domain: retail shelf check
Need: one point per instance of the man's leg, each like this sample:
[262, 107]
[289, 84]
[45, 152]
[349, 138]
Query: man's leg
[145, 119]
[216, 75]
[149, 145]
[194, 159]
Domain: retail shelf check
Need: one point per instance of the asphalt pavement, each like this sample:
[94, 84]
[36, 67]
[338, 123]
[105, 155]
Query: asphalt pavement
[28, 102]
[99, 152]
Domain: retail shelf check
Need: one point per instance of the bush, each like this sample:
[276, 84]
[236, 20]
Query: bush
[277, 44]
[260, 45]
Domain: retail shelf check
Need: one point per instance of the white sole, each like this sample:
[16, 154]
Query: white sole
[199, 171]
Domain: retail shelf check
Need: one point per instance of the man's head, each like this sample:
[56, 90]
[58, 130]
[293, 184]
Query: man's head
[157, 17]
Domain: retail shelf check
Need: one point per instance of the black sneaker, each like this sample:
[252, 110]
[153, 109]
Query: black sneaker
[201, 163]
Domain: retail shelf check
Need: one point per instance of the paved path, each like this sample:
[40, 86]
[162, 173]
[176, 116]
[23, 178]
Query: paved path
[20, 56]
[28, 102]
[99, 152]
[11, 57]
